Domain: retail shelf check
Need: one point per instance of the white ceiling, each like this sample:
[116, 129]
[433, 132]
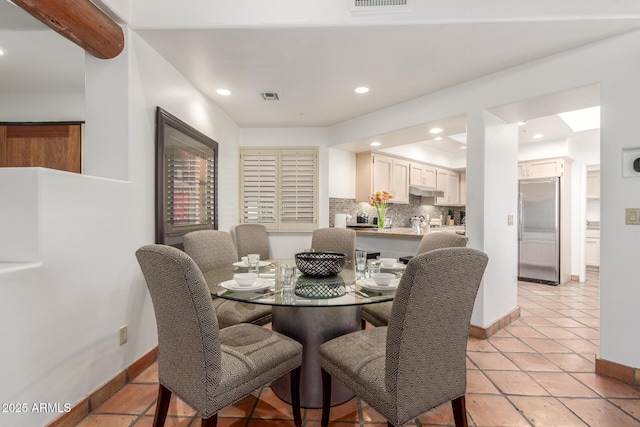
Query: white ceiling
[315, 69]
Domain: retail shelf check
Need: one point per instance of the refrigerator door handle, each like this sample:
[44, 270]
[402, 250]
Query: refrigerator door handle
[519, 217]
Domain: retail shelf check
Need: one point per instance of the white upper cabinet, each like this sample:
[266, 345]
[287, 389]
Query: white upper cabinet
[377, 172]
[545, 168]
[422, 174]
[593, 184]
[400, 181]
[463, 188]
[449, 182]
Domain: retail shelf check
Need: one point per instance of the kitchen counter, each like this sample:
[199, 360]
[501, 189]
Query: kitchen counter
[397, 242]
[405, 232]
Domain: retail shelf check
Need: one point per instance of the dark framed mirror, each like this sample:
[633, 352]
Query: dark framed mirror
[186, 180]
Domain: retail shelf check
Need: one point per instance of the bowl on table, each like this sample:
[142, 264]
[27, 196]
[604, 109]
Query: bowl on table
[320, 264]
[383, 279]
[388, 262]
[245, 279]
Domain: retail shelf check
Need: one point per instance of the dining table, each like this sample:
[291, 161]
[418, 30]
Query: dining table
[316, 310]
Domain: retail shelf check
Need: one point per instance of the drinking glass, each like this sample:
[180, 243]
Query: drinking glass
[287, 276]
[254, 263]
[361, 261]
[373, 267]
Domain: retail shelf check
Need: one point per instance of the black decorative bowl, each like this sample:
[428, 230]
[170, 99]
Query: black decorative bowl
[320, 288]
[320, 264]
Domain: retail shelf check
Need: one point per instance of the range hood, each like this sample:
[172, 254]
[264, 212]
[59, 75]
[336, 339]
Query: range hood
[422, 191]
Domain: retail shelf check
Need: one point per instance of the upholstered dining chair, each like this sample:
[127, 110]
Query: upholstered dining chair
[418, 362]
[378, 314]
[214, 249]
[206, 367]
[438, 240]
[252, 239]
[341, 240]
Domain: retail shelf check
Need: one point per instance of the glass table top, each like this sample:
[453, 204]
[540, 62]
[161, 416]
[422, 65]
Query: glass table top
[343, 289]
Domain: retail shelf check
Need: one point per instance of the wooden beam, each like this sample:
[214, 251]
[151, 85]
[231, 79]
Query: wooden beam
[81, 22]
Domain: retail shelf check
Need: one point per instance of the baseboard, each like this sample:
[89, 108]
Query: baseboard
[96, 398]
[627, 374]
[484, 333]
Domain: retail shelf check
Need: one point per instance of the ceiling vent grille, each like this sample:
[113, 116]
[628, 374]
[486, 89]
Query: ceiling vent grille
[269, 96]
[378, 5]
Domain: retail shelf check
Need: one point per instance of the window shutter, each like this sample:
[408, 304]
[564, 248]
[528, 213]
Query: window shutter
[297, 189]
[278, 188]
[258, 183]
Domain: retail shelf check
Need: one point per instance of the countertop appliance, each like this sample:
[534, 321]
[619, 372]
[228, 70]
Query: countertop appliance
[539, 230]
[362, 218]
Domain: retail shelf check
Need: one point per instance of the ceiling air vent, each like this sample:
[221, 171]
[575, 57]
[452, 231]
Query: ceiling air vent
[269, 96]
[379, 5]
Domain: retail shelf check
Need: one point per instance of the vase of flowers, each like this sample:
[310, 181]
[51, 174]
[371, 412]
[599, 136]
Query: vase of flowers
[380, 200]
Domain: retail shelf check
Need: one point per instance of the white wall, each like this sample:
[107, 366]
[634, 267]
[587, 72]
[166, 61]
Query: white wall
[60, 318]
[43, 106]
[613, 63]
[342, 179]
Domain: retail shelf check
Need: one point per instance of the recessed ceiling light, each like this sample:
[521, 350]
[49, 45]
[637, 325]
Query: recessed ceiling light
[375, 144]
[2, 52]
[362, 89]
[437, 138]
[537, 136]
[223, 92]
[435, 130]
[521, 123]
[464, 147]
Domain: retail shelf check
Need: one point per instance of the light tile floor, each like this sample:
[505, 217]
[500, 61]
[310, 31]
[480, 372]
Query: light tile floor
[538, 371]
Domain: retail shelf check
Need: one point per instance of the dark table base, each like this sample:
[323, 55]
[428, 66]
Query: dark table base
[312, 326]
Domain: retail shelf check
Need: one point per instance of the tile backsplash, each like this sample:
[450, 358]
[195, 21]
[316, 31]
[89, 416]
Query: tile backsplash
[399, 213]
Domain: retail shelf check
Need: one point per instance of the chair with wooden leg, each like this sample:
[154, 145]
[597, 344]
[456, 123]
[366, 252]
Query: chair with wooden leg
[378, 314]
[418, 362]
[252, 239]
[214, 249]
[207, 367]
[342, 240]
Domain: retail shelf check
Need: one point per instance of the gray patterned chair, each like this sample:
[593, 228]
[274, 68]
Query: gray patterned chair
[438, 240]
[341, 240]
[214, 249]
[252, 239]
[208, 368]
[378, 314]
[418, 362]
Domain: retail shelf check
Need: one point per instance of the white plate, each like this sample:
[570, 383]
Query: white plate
[259, 285]
[397, 266]
[370, 285]
[242, 264]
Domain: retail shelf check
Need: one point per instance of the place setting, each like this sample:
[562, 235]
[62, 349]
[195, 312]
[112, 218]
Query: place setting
[247, 282]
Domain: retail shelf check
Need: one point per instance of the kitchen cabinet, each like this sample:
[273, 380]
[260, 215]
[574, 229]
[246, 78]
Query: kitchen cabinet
[449, 182]
[592, 248]
[378, 172]
[463, 188]
[593, 184]
[421, 174]
[544, 168]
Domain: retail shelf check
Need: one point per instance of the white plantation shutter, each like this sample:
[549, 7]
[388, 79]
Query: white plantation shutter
[259, 183]
[297, 187]
[278, 188]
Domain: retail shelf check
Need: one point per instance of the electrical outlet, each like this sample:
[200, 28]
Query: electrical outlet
[632, 216]
[509, 219]
[123, 334]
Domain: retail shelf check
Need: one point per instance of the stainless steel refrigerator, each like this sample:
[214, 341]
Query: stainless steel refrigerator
[539, 230]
